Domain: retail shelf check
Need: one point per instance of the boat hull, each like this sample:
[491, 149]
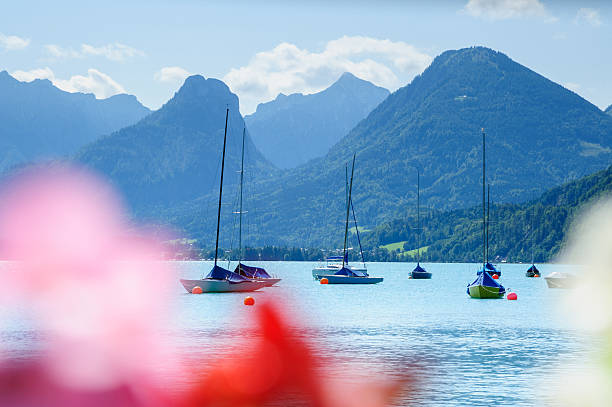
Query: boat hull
[420, 275]
[560, 282]
[334, 279]
[222, 286]
[269, 282]
[481, 291]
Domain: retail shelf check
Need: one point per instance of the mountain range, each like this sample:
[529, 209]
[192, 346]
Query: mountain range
[40, 121]
[539, 135]
[174, 154]
[290, 130]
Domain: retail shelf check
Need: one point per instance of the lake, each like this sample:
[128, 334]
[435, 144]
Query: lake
[467, 351]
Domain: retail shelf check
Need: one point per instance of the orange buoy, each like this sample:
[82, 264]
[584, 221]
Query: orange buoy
[511, 296]
[495, 276]
[324, 281]
[249, 301]
[196, 290]
[536, 275]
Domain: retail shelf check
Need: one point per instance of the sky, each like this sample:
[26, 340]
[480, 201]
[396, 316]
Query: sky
[261, 49]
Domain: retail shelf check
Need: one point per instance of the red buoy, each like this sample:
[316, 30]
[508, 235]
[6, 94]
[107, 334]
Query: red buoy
[494, 276]
[196, 290]
[511, 296]
[249, 301]
[536, 275]
[324, 281]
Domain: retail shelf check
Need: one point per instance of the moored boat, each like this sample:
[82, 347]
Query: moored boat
[559, 279]
[485, 286]
[419, 273]
[258, 274]
[532, 271]
[334, 264]
[220, 280]
[346, 275]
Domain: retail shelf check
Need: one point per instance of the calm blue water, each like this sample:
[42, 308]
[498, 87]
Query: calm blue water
[468, 352]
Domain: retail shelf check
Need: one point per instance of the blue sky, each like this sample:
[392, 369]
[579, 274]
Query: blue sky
[146, 48]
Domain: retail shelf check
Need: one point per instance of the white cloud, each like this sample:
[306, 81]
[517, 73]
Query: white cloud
[12, 42]
[58, 52]
[506, 9]
[29, 76]
[171, 74]
[589, 16]
[96, 82]
[114, 52]
[290, 69]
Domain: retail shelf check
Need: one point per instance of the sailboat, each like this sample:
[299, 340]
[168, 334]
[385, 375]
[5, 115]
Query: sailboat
[484, 286]
[250, 272]
[335, 263]
[349, 275]
[219, 279]
[419, 273]
[533, 270]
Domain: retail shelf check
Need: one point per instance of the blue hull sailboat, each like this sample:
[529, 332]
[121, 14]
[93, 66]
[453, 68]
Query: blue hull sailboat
[220, 280]
[419, 273]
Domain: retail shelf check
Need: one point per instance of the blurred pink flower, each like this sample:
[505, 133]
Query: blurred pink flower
[97, 287]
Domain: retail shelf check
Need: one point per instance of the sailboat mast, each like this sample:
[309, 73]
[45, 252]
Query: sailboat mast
[348, 207]
[533, 237]
[418, 217]
[221, 187]
[357, 231]
[484, 252]
[488, 218]
[240, 208]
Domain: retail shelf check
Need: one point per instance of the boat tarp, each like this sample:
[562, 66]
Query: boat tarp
[219, 273]
[345, 271]
[533, 269]
[419, 269]
[251, 271]
[490, 267]
[486, 280]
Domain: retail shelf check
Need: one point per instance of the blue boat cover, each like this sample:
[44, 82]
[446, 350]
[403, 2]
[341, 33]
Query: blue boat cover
[251, 272]
[491, 269]
[533, 269]
[419, 269]
[219, 273]
[486, 280]
[344, 271]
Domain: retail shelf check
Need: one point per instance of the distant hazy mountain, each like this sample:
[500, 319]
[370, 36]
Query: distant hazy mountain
[609, 110]
[174, 154]
[291, 130]
[539, 135]
[42, 121]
